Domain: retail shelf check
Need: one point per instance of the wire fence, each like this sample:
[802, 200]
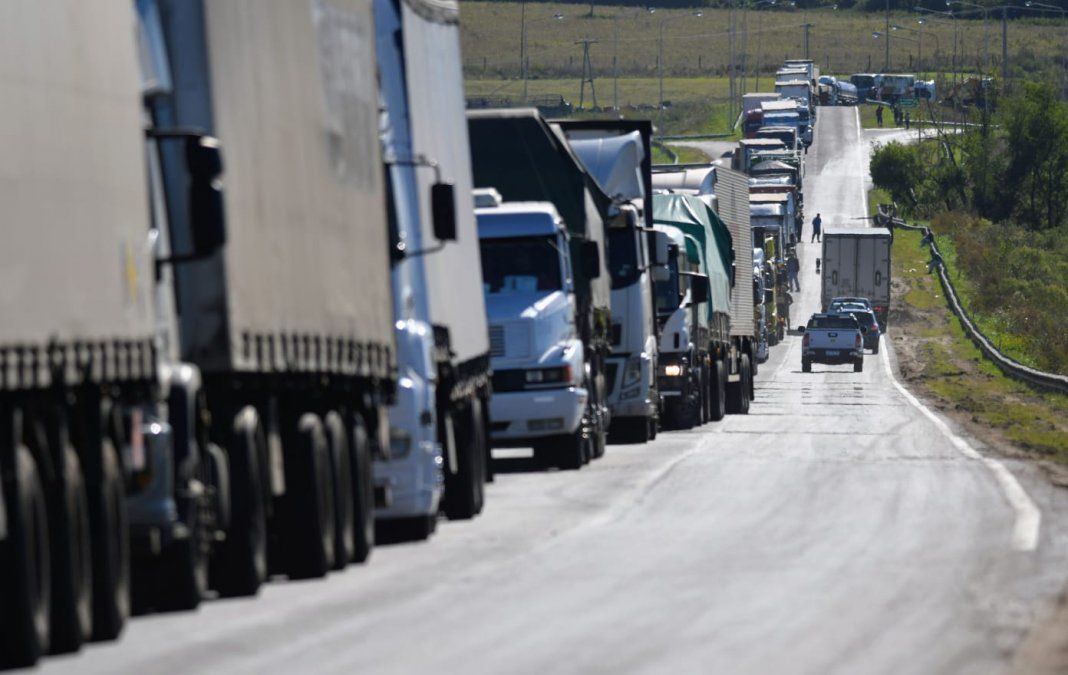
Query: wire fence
[1007, 364]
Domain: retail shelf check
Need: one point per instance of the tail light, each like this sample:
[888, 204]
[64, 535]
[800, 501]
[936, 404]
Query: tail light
[860, 340]
[805, 340]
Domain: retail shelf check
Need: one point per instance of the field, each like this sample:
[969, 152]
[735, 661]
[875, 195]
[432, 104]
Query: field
[840, 41]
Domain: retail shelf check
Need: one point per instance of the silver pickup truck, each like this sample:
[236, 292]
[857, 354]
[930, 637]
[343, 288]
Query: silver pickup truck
[832, 339]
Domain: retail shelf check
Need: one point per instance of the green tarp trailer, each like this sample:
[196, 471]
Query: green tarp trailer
[693, 217]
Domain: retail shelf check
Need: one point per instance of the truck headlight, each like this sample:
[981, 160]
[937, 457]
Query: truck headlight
[632, 371]
[673, 370]
[549, 375]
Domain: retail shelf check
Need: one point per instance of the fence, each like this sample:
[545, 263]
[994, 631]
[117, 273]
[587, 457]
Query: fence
[1007, 364]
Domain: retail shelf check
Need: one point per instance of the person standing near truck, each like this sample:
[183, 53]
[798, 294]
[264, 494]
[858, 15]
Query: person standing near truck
[879, 115]
[817, 224]
[793, 267]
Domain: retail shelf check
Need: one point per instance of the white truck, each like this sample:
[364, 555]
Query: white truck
[797, 89]
[856, 263]
[532, 337]
[754, 100]
[617, 154]
[439, 444]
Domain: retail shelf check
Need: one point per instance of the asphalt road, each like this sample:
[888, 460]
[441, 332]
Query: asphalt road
[836, 528]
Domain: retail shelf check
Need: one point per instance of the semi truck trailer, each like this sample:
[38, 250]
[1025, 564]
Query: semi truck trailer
[856, 263]
[439, 444]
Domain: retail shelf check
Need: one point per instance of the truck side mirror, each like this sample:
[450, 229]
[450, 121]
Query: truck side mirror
[443, 210]
[591, 260]
[207, 215]
[698, 289]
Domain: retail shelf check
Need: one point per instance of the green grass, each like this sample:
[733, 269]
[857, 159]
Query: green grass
[955, 371]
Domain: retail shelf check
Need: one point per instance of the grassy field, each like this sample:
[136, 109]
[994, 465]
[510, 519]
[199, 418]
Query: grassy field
[939, 361]
[840, 41]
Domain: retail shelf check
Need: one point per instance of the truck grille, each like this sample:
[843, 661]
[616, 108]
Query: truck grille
[509, 380]
[496, 336]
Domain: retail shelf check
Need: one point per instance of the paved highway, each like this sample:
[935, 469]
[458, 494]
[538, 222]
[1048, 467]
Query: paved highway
[836, 528]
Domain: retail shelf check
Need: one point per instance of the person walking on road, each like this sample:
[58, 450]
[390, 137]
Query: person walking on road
[879, 115]
[817, 224]
[908, 121]
[793, 267]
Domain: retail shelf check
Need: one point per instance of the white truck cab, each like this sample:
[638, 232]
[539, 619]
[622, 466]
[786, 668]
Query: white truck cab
[540, 394]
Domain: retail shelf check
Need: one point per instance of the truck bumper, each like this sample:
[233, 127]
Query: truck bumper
[843, 356]
[413, 482]
[634, 400]
[529, 415]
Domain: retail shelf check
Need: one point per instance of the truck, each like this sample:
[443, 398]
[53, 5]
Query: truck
[747, 148]
[754, 100]
[526, 159]
[893, 87]
[856, 262]
[812, 71]
[867, 85]
[290, 323]
[763, 191]
[439, 426]
[617, 153]
[707, 370]
[797, 89]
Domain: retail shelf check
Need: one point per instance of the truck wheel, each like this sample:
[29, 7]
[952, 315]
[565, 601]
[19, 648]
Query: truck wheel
[489, 445]
[363, 492]
[341, 464]
[738, 392]
[72, 567]
[183, 568]
[463, 490]
[570, 450]
[415, 528]
[719, 390]
[111, 548]
[239, 564]
[25, 575]
[806, 366]
[706, 394]
[654, 424]
[310, 502]
[858, 365]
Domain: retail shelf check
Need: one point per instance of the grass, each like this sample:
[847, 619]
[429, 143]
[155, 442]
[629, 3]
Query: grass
[953, 371]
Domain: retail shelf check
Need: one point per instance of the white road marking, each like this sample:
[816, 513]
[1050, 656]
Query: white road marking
[1028, 517]
[860, 151]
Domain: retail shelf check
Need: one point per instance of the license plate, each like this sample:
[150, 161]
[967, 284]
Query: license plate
[832, 352]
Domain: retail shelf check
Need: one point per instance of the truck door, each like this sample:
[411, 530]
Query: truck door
[881, 284]
[866, 266]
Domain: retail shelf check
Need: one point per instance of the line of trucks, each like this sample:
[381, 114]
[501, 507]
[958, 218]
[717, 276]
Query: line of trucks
[268, 290]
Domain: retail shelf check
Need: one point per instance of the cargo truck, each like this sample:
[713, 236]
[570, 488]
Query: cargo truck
[617, 154]
[706, 372]
[526, 159]
[439, 425]
[799, 90]
[290, 323]
[856, 263]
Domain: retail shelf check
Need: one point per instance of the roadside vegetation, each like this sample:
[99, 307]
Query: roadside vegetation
[939, 361]
[997, 198]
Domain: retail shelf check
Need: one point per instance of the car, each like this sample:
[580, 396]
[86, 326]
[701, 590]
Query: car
[869, 324]
[837, 302]
[832, 339]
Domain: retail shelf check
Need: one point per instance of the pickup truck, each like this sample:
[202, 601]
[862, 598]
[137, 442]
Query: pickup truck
[832, 339]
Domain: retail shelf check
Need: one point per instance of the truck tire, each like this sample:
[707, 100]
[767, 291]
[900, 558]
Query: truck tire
[310, 502]
[806, 366]
[239, 564]
[72, 566]
[363, 493]
[858, 365]
[738, 392]
[490, 474]
[654, 426]
[464, 489]
[111, 547]
[570, 450]
[719, 390]
[345, 485]
[183, 569]
[25, 568]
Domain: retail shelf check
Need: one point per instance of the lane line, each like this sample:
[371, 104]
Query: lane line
[1028, 517]
[860, 151]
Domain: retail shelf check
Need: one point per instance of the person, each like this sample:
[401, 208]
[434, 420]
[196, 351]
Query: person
[908, 120]
[879, 115]
[793, 267]
[817, 223]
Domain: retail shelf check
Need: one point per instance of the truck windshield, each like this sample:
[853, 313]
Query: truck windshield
[623, 257]
[520, 265]
[668, 294]
[863, 81]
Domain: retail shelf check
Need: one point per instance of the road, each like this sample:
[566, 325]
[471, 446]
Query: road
[836, 528]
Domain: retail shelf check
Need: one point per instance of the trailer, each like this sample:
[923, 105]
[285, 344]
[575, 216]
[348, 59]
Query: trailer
[856, 263]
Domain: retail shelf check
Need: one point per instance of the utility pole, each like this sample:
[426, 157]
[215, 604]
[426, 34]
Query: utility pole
[807, 26]
[615, 67]
[1004, 47]
[587, 73]
[886, 62]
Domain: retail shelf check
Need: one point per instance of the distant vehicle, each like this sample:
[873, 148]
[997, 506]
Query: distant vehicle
[796, 89]
[787, 134]
[865, 84]
[832, 339]
[896, 86]
[856, 263]
[754, 101]
[926, 90]
[789, 106]
[869, 325]
[846, 301]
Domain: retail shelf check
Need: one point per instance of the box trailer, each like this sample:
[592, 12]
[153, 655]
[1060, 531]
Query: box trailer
[856, 263]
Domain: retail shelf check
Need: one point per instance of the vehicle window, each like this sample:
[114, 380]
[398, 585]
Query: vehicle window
[863, 317]
[623, 257]
[520, 265]
[843, 322]
[668, 293]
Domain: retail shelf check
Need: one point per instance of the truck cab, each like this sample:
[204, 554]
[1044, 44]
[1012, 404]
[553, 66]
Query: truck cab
[540, 394]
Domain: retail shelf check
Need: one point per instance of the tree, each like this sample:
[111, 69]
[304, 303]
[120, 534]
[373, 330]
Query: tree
[897, 169]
